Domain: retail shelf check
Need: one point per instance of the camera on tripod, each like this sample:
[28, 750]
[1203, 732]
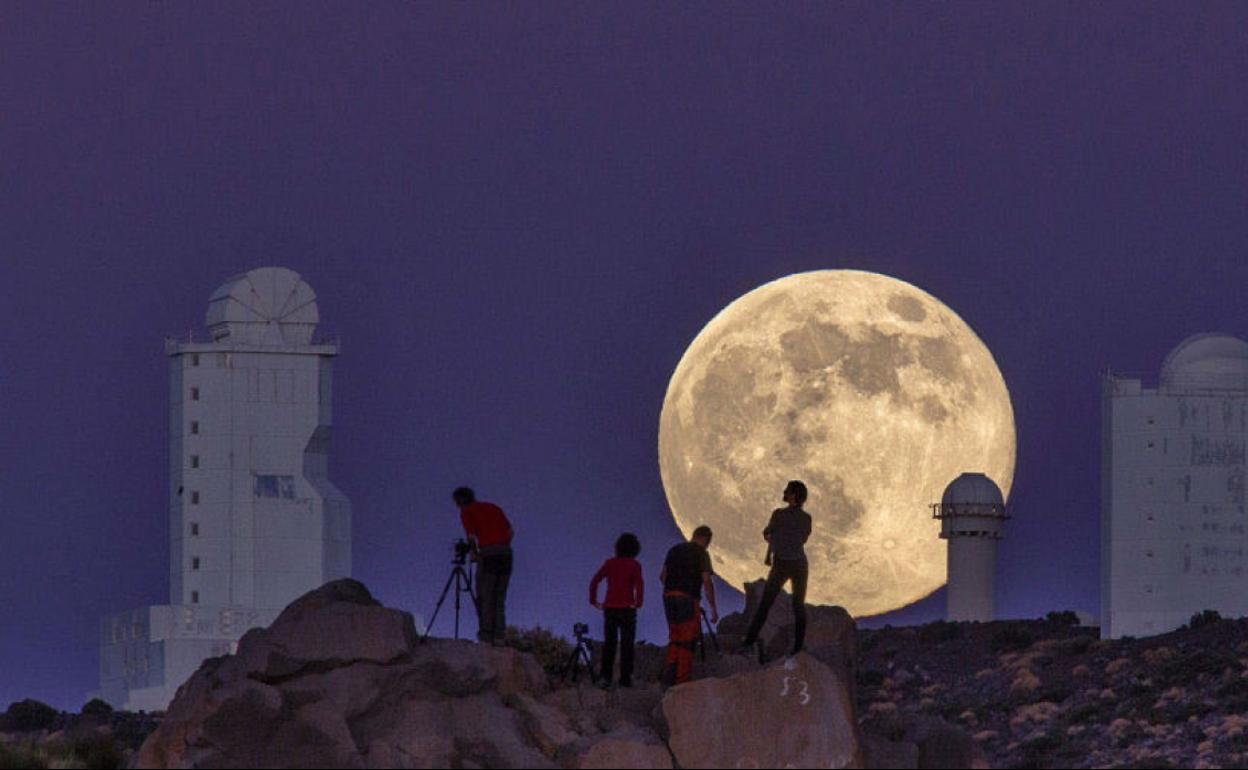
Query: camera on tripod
[460, 581]
[582, 655]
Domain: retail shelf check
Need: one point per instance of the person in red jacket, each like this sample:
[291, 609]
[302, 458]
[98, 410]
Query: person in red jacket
[625, 594]
[489, 533]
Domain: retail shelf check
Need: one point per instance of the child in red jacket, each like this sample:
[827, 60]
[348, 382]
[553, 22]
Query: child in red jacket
[625, 593]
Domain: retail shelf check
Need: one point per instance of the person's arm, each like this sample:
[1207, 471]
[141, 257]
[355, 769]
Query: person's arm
[593, 584]
[639, 587]
[771, 525]
[708, 588]
[809, 524]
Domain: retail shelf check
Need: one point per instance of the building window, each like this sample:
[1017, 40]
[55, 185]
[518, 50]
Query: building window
[194, 461]
[194, 359]
[194, 529]
[194, 394]
[194, 597]
[195, 497]
[281, 487]
[195, 562]
[194, 427]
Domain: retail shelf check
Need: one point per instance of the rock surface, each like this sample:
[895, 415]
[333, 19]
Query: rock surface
[794, 713]
[340, 681]
[830, 631]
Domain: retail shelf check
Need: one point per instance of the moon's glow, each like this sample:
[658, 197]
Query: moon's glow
[871, 391]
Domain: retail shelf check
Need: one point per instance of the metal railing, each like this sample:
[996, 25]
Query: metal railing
[944, 511]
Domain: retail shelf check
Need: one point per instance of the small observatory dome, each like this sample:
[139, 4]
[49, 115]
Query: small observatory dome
[265, 306]
[972, 505]
[972, 489]
[1207, 362]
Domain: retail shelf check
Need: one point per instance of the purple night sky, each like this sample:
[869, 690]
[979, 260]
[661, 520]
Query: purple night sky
[517, 221]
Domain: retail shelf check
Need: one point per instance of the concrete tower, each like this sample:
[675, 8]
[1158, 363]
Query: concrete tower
[254, 519]
[1174, 511]
[972, 515]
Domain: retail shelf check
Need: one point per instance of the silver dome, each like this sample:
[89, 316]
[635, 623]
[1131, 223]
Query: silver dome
[1207, 362]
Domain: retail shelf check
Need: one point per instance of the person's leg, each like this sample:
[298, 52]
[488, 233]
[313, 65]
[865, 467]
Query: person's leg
[799, 573]
[775, 580]
[683, 625]
[628, 637]
[486, 584]
[610, 631]
[687, 635]
[501, 582]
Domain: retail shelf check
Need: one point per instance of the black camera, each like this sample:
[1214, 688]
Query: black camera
[580, 629]
[462, 549]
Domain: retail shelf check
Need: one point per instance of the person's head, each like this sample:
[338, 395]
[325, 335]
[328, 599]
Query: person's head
[795, 493]
[627, 546]
[702, 536]
[463, 496]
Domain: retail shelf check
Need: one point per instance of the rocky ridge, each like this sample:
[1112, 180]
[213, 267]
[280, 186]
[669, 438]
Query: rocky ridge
[340, 681]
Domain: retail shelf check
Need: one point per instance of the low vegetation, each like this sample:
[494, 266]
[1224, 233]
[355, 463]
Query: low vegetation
[1049, 693]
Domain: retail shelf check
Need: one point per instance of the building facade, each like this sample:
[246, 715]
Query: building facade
[1173, 517]
[254, 519]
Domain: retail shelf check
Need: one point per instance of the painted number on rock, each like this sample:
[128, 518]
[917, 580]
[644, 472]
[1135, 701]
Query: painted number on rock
[803, 696]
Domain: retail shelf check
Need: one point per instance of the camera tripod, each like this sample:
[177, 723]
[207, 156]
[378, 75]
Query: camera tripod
[462, 579]
[580, 656]
[710, 631]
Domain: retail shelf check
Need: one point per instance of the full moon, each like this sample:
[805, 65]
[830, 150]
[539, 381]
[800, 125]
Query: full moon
[868, 389]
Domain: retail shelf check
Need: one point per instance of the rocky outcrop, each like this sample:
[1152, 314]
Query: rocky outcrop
[340, 681]
[830, 631]
[794, 713]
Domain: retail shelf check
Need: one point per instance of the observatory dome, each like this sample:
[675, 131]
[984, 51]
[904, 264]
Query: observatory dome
[265, 306]
[1207, 362]
[972, 489]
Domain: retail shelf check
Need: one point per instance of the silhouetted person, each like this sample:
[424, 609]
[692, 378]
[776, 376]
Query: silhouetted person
[626, 592]
[489, 532]
[786, 536]
[686, 572]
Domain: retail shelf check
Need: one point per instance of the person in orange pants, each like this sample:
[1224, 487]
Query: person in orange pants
[686, 573]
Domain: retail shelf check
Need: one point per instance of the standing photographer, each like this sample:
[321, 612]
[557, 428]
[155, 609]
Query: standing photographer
[489, 533]
[686, 572]
[786, 535]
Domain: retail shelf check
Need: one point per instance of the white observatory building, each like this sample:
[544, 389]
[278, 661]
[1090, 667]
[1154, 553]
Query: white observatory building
[972, 516]
[1173, 480]
[254, 519]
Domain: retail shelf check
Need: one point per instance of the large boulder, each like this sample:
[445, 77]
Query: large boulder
[944, 745]
[795, 713]
[333, 626]
[830, 630]
[623, 748]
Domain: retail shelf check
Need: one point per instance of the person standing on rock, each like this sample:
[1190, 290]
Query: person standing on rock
[686, 572]
[786, 535]
[489, 533]
[626, 591]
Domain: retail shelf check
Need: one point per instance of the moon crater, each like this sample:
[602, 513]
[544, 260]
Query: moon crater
[868, 389]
